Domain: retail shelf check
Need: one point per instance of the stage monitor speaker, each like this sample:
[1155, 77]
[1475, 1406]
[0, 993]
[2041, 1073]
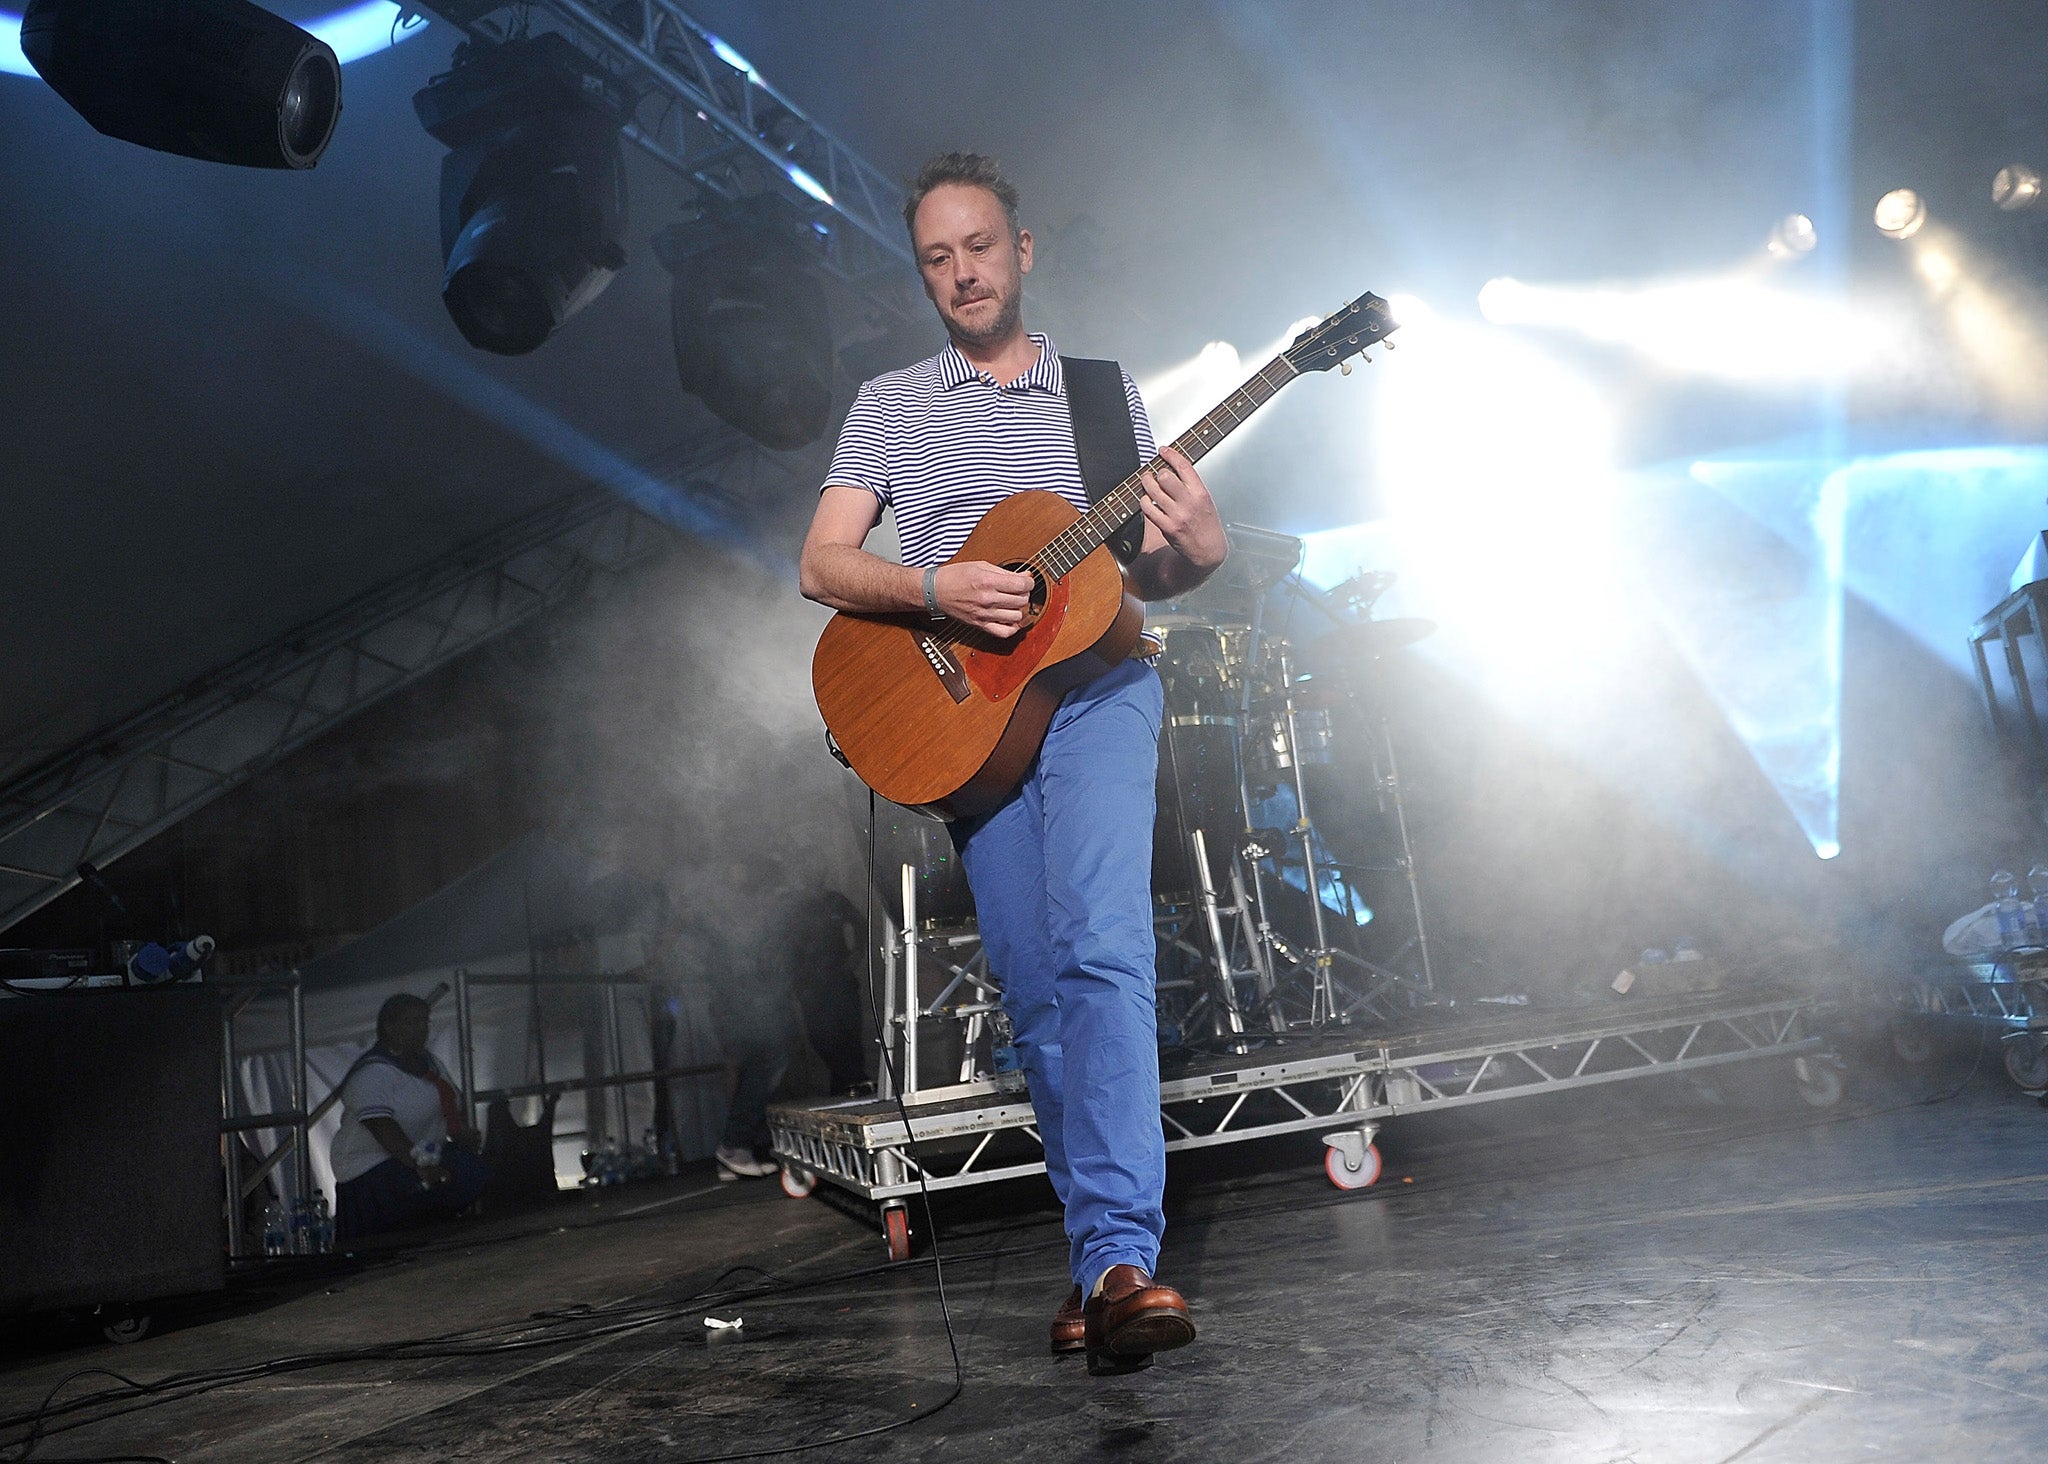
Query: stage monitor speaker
[110, 1171]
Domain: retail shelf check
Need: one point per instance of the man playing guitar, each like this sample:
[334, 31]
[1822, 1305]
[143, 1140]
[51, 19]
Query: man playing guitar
[1061, 870]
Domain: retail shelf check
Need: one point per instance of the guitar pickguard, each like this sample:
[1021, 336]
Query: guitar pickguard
[998, 668]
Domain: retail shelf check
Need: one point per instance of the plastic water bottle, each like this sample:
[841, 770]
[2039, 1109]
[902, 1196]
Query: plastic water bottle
[323, 1226]
[275, 1237]
[302, 1227]
[2005, 894]
[1007, 1066]
[2037, 907]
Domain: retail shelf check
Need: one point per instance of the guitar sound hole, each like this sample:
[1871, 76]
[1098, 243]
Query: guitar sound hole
[1039, 591]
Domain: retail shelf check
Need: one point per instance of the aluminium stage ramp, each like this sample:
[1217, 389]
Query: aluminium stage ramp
[1341, 1082]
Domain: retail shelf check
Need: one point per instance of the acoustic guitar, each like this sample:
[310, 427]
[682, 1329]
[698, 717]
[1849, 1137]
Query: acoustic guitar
[943, 718]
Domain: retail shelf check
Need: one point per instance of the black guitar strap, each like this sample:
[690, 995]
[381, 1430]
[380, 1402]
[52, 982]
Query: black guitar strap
[1104, 439]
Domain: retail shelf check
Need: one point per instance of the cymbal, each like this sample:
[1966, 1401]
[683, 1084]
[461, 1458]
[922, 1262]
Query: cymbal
[1365, 640]
[1363, 587]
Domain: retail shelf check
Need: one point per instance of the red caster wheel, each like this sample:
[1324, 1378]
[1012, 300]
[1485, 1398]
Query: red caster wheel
[798, 1183]
[896, 1230]
[1344, 1176]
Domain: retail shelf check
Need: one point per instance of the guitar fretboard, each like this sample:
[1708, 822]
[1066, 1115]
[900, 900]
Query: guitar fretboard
[1100, 523]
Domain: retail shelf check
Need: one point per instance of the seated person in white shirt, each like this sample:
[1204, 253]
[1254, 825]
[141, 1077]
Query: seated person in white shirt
[405, 1151]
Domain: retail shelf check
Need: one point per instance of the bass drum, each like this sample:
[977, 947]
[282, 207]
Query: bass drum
[1198, 789]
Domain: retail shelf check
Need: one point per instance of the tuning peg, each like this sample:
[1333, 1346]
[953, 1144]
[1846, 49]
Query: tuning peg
[1344, 369]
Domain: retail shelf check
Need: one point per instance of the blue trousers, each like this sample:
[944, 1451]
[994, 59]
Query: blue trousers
[1062, 882]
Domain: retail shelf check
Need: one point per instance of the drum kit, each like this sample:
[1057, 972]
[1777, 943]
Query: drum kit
[1258, 920]
[1260, 722]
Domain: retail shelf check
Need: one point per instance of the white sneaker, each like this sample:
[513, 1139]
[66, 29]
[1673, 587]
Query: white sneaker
[742, 1161]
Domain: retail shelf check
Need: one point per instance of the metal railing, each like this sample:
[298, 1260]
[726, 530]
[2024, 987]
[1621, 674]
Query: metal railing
[238, 993]
[615, 1081]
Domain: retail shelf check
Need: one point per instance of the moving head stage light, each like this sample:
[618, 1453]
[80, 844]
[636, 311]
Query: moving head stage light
[533, 193]
[221, 80]
[753, 335]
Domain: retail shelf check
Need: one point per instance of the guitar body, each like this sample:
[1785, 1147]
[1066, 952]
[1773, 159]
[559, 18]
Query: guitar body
[944, 719]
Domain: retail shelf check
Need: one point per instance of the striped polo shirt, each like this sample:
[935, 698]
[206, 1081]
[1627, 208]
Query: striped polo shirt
[940, 443]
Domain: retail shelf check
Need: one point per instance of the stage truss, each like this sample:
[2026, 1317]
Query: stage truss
[705, 114]
[1342, 1083]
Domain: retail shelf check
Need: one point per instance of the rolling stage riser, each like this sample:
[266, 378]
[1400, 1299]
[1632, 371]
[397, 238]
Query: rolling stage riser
[862, 1146]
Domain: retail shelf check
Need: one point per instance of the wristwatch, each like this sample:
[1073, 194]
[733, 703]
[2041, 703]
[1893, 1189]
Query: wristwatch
[931, 593]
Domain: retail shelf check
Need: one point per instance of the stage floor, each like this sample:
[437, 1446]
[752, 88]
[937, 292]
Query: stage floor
[1694, 1270]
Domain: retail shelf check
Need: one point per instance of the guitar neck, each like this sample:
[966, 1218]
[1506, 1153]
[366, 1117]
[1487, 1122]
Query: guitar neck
[1099, 524]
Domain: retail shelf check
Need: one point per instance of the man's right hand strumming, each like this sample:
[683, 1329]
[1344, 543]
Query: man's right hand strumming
[986, 596]
[836, 571]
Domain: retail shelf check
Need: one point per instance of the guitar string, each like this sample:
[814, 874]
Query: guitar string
[1194, 443]
[1094, 522]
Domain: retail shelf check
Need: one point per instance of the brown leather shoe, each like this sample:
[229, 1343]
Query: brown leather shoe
[1069, 1331]
[1130, 1318]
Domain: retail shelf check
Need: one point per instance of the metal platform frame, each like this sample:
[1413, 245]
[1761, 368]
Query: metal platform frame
[1340, 1081]
[292, 1125]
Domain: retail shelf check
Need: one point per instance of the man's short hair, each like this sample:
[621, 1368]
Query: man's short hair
[961, 167]
[395, 1007]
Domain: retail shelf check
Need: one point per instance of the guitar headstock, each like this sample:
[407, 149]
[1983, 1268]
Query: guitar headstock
[1335, 339]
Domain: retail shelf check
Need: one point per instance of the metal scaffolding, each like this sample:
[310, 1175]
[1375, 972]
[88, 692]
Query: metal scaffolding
[110, 792]
[1340, 1083]
[706, 114]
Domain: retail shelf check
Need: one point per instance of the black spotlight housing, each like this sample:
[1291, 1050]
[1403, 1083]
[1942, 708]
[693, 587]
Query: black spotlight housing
[753, 334]
[221, 80]
[533, 190]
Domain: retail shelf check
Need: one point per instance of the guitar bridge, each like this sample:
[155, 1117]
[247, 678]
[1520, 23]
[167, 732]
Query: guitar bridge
[945, 665]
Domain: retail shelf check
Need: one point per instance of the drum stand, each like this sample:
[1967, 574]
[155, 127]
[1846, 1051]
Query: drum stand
[1388, 786]
[1320, 962]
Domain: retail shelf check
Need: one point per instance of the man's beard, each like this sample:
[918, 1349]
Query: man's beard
[1000, 326]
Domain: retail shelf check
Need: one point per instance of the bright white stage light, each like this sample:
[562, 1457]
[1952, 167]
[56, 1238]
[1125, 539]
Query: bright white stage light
[1900, 214]
[1179, 395]
[1938, 268]
[1496, 465]
[1990, 315]
[1735, 325]
[1505, 301]
[2016, 186]
[733, 58]
[1792, 237]
[809, 184]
